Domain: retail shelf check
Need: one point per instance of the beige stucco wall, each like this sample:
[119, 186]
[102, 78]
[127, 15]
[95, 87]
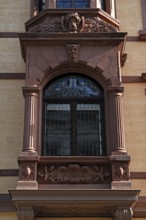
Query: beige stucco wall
[135, 124]
[11, 122]
[136, 56]
[130, 16]
[10, 56]
[7, 183]
[8, 216]
[13, 15]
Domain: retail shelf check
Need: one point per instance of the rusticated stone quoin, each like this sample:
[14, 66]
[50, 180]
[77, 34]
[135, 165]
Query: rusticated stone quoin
[74, 173]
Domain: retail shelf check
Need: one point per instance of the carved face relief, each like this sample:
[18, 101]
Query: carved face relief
[73, 52]
[71, 22]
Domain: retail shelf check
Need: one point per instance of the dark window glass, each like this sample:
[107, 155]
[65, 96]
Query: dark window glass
[73, 117]
[72, 3]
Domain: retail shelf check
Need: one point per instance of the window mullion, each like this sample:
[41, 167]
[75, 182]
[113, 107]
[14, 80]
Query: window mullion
[73, 129]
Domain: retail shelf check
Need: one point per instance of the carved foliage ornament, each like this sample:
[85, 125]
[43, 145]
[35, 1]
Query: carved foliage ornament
[27, 171]
[74, 174]
[120, 171]
[73, 23]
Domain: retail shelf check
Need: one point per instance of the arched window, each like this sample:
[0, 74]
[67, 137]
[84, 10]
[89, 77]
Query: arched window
[73, 117]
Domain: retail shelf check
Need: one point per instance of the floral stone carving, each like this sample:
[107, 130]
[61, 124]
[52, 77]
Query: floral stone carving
[120, 171]
[74, 174]
[72, 22]
[27, 171]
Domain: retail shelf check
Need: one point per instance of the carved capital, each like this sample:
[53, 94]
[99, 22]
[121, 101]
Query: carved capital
[25, 213]
[123, 213]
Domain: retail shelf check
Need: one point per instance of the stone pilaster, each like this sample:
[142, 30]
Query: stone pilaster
[117, 137]
[25, 213]
[30, 137]
[123, 213]
[28, 158]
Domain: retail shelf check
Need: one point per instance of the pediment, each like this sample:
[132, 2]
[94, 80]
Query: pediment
[72, 21]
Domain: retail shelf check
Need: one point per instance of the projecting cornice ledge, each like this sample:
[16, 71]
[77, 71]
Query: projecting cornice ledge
[75, 202]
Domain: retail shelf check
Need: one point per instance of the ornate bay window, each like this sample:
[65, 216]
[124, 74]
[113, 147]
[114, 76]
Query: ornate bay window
[74, 147]
[73, 126]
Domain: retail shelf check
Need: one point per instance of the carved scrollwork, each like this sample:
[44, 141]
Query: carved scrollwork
[74, 174]
[97, 25]
[72, 22]
[120, 171]
[27, 171]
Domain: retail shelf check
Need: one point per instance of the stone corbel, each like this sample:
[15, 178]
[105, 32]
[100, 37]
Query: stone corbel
[123, 213]
[26, 213]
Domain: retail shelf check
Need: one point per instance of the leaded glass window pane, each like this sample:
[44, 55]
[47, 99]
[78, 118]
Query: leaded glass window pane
[89, 133]
[73, 86]
[57, 130]
[72, 3]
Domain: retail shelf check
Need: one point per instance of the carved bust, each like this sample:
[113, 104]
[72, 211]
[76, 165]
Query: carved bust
[71, 22]
[73, 52]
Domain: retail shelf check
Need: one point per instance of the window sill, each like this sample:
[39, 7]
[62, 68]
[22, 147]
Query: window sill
[142, 35]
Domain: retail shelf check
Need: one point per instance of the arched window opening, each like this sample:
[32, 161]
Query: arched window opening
[73, 117]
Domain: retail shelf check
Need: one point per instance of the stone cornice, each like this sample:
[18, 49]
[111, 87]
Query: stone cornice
[95, 202]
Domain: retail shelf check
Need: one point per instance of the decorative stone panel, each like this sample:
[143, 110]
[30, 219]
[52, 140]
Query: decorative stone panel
[74, 174]
[73, 21]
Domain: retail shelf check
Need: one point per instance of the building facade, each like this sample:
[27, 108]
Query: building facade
[72, 82]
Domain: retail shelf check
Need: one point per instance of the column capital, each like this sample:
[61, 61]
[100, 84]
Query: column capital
[116, 90]
[33, 91]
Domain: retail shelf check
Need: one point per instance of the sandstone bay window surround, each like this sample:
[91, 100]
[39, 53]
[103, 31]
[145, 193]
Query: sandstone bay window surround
[73, 100]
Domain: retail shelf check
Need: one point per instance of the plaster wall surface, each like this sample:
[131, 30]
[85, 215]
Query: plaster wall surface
[135, 124]
[11, 122]
[136, 56]
[10, 54]
[139, 184]
[8, 216]
[13, 15]
[129, 14]
[7, 183]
